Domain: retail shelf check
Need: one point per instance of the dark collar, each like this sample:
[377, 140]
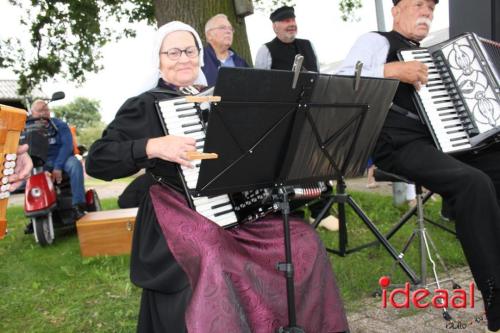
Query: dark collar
[209, 49]
[408, 41]
[165, 87]
[277, 40]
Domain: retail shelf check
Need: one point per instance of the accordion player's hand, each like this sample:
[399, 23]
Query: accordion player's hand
[22, 169]
[171, 148]
[412, 72]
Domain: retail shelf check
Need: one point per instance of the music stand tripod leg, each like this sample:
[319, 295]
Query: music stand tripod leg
[287, 266]
[425, 245]
[425, 251]
[341, 197]
[324, 211]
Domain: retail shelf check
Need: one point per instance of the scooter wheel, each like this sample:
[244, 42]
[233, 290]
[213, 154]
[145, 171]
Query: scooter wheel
[42, 229]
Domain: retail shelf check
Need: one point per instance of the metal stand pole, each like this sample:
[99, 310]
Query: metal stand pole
[287, 267]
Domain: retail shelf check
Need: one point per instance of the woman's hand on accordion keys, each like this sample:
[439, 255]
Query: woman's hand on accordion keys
[23, 167]
[171, 148]
[412, 72]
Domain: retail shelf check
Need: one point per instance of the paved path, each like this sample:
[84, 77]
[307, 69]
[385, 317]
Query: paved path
[372, 318]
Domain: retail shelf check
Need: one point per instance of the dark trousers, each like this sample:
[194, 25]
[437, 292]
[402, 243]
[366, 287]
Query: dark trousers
[470, 183]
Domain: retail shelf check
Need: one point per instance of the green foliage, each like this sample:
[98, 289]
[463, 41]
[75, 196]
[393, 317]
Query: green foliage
[82, 112]
[86, 136]
[67, 35]
[270, 5]
[348, 9]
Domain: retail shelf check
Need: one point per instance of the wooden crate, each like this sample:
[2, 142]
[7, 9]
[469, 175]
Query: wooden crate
[106, 232]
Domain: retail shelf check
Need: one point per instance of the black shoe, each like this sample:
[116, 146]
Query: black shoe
[28, 229]
[446, 212]
[78, 212]
[493, 312]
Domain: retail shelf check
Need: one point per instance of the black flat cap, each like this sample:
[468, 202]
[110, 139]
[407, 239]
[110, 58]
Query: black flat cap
[282, 13]
[395, 2]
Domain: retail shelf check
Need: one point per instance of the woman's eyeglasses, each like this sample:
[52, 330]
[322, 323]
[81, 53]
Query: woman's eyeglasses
[175, 53]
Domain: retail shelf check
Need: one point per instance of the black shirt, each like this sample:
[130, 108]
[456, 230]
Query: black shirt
[121, 151]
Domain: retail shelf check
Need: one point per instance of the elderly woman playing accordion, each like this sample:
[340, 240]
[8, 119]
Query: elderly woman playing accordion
[196, 276]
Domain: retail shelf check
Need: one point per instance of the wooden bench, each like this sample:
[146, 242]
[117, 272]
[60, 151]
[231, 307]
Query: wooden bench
[107, 232]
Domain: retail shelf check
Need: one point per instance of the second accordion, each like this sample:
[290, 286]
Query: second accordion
[460, 103]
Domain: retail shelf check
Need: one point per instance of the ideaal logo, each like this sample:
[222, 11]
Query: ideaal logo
[440, 298]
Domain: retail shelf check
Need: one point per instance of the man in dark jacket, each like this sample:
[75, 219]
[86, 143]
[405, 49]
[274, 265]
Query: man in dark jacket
[60, 157]
[281, 51]
[218, 52]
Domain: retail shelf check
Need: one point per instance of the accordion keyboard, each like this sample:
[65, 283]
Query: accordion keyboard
[181, 118]
[442, 109]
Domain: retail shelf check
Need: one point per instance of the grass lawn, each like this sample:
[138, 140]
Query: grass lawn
[54, 290]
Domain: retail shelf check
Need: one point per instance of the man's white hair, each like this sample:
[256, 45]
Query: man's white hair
[209, 24]
[36, 102]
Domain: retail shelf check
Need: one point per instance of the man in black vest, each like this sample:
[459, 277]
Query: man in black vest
[469, 182]
[280, 52]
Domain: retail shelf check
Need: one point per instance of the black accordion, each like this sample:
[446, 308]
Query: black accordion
[460, 103]
[182, 117]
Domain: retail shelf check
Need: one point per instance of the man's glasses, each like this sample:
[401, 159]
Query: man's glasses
[224, 28]
[175, 53]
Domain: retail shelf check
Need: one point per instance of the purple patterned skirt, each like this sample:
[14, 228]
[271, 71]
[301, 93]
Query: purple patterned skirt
[236, 286]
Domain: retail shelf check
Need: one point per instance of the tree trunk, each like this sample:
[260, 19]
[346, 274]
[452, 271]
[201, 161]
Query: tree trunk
[197, 12]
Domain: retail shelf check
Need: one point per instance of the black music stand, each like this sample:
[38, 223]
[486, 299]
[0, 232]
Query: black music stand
[274, 130]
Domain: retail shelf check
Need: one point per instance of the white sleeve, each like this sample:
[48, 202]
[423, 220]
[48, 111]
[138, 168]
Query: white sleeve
[371, 49]
[263, 58]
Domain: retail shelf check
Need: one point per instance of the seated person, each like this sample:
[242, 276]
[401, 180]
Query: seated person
[469, 182]
[60, 157]
[186, 281]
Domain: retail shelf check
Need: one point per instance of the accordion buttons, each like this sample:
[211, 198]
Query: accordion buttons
[10, 164]
[10, 157]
